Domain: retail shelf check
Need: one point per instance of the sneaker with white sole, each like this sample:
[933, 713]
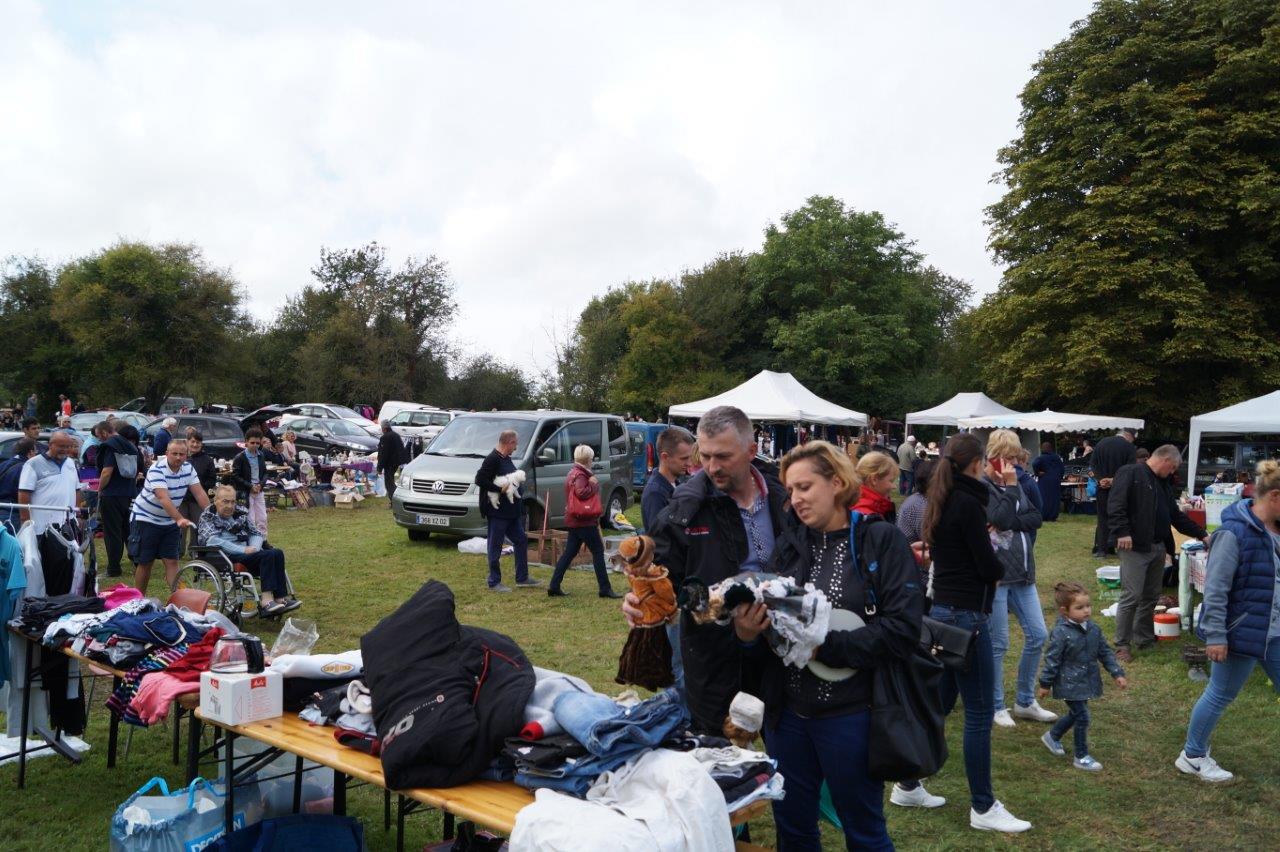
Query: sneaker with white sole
[1087, 763]
[917, 797]
[1205, 768]
[997, 818]
[1004, 720]
[1034, 712]
[1053, 745]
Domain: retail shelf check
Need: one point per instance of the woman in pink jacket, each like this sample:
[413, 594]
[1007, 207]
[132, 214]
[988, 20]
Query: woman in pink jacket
[583, 522]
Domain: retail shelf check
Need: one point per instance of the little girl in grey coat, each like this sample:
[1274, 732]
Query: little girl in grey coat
[1076, 647]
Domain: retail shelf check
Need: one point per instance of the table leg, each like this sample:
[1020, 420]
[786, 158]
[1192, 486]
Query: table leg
[26, 716]
[177, 730]
[448, 826]
[229, 779]
[113, 729]
[297, 784]
[339, 793]
[194, 731]
[386, 809]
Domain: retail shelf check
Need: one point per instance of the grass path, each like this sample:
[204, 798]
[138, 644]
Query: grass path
[352, 568]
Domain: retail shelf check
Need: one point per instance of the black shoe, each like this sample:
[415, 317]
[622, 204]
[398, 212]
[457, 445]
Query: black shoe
[115, 573]
[610, 594]
[557, 593]
[1098, 554]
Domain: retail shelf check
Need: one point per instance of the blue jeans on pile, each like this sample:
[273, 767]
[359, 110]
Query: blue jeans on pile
[1225, 682]
[603, 726]
[500, 530]
[1077, 717]
[810, 751]
[977, 685]
[1023, 601]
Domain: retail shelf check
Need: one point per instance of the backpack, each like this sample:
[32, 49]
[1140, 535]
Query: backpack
[126, 463]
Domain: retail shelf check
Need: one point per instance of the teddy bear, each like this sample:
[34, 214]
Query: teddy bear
[646, 657]
[508, 486]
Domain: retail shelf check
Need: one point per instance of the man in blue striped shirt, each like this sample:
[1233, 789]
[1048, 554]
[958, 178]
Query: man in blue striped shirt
[155, 523]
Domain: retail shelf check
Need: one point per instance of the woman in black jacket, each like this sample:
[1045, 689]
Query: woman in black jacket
[818, 729]
[965, 573]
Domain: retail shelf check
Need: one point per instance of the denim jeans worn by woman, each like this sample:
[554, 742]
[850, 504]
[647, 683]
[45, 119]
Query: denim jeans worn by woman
[578, 536]
[1225, 682]
[976, 685]
[1023, 601]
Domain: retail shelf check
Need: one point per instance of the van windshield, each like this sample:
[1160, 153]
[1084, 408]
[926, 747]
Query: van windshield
[477, 436]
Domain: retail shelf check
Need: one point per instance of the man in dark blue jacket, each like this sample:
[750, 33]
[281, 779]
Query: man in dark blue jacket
[499, 480]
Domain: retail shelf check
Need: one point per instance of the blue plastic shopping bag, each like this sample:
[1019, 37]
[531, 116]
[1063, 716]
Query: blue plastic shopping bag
[187, 820]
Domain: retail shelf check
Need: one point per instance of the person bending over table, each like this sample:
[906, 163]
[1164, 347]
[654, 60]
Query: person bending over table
[226, 526]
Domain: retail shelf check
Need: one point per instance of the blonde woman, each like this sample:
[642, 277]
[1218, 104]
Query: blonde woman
[1015, 515]
[580, 486]
[879, 474]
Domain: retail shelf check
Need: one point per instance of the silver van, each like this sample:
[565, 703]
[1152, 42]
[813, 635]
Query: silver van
[436, 492]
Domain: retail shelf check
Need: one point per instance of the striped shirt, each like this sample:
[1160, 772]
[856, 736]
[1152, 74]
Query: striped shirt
[146, 507]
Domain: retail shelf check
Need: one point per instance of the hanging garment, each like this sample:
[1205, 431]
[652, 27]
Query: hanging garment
[63, 570]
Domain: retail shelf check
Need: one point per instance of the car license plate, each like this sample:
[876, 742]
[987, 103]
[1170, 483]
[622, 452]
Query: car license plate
[433, 520]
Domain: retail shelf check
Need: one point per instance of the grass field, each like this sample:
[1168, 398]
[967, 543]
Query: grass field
[354, 567]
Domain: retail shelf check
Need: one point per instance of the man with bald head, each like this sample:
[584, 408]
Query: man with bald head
[50, 479]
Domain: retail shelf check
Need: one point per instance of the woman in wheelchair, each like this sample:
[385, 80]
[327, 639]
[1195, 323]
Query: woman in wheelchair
[226, 526]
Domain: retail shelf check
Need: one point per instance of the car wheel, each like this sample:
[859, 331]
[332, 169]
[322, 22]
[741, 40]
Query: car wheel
[419, 535]
[617, 503]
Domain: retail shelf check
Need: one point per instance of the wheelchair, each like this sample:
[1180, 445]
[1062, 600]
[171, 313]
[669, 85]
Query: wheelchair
[232, 590]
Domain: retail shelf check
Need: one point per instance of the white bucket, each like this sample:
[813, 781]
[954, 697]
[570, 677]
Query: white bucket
[1168, 626]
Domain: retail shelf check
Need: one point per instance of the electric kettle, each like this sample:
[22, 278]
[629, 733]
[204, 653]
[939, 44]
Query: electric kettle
[239, 654]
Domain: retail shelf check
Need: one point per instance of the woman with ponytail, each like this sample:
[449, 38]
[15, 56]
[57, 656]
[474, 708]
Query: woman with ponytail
[965, 574]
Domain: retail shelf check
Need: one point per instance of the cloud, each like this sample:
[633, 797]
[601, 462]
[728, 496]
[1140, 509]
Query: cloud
[546, 151]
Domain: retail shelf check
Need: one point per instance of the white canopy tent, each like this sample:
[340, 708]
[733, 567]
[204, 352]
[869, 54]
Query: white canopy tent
[959, 406]
[1254, 415]
[770, 396]
[1052, 421]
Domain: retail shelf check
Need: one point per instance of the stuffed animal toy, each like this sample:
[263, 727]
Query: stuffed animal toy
[508, 486]
[646, 657]
[746, 716]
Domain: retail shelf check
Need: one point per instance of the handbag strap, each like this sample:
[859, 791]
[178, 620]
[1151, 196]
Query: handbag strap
[856, 526]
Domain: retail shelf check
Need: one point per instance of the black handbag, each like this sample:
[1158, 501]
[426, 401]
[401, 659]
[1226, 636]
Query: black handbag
[950, 645]
[906, 740]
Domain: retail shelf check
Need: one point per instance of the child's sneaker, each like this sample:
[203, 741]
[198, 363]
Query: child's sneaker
[1087, 763]
[1205, 768]
[1052, 744]
[997, 818]
[1004, 720]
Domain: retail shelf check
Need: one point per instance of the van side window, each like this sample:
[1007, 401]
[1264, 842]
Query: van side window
[564, 441]
[617, 438]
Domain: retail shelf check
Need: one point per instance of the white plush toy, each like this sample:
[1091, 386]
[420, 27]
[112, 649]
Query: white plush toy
[508, 485]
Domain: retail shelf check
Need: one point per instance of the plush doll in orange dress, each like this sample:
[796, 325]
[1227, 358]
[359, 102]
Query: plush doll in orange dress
[646, 658]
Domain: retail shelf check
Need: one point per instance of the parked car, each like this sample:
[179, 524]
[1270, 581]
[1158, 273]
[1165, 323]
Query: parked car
[644, 438]
[422, 423]
[171, 404]
[223, 437]
[392, 407]
[9, 440]
[323, 436]
[222, 408]
[436, 492]
[318, 410]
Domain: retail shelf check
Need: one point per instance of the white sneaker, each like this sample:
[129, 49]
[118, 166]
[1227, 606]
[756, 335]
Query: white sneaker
[1087, 763]
[1205, 768]
[1004, 720]
[997, 818]
[918, 797]
[1034, 712]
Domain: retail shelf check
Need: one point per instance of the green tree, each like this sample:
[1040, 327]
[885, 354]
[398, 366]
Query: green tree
[40, 355]
[1141, 226]
[851, 310]
[148, 320]
[484, 383]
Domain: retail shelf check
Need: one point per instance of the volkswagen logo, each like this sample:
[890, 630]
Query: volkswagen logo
[438, 486]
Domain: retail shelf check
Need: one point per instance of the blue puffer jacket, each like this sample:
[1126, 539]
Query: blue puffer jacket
[1071, 661]
[1240, 580]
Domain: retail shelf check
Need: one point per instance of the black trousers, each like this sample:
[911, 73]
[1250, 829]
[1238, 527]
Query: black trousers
[389, 479]
[1102, 531]
[115, 529]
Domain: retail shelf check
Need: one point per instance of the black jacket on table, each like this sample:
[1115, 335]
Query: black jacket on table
[445, 695]
[700, 535]
[965, 568]
[1142, 507]
[242, 477]
[1110, 455]
[390, 451]
[494, 465]
[894, 629]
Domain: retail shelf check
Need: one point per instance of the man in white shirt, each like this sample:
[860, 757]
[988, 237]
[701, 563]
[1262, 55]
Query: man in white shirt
[50, 479]
[155, 523]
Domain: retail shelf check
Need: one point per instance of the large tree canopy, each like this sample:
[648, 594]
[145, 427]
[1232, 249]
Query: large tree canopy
[1141, 226]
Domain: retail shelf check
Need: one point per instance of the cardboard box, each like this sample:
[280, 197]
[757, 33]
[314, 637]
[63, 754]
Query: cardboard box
[240, 698]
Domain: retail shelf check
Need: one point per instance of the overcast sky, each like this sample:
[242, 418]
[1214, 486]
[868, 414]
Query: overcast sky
[546, 150]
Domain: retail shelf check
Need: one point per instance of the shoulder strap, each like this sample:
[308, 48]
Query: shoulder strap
[857, 537]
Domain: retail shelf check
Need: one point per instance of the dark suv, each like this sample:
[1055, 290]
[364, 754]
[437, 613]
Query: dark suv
[223, 438]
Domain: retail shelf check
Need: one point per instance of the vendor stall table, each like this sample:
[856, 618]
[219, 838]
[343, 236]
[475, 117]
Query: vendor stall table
[324, 472]
[53, 740]
[490, 804]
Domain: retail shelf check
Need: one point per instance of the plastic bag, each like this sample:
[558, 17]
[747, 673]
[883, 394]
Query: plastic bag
[474, 546]
[191, 818]
[298, 636]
